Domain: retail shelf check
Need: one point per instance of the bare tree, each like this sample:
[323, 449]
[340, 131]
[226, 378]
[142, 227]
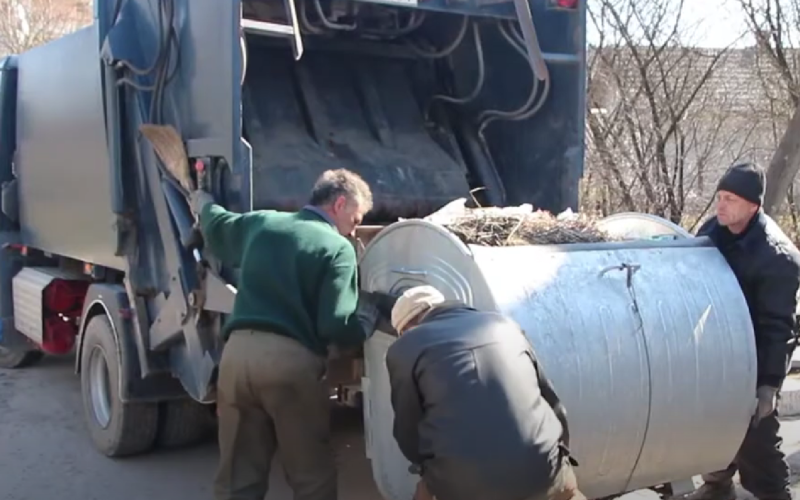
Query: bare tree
[774, 25]
[657, 128]
[24, 24]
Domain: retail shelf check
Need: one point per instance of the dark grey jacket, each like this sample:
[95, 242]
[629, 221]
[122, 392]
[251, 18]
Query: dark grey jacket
[473, 407]
[767, 265]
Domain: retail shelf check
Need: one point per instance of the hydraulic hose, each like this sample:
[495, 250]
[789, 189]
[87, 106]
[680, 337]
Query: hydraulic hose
[476, 35]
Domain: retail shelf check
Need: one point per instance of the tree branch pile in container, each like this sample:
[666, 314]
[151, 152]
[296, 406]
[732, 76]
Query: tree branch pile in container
[516, 226]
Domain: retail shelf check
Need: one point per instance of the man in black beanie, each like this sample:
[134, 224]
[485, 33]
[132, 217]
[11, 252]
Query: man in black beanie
[767, 265]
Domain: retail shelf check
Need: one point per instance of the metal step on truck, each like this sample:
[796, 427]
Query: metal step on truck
[430, 101]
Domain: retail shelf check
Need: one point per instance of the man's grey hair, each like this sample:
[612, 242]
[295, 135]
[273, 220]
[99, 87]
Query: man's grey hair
[341, 182]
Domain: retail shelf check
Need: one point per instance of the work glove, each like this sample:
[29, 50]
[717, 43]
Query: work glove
[374, 312]
[367, 313]
[383, 301]
[199, 199]
[767, 402]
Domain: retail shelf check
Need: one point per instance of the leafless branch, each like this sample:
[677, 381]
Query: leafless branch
[25, 24]
[656, 124]
[774, 25]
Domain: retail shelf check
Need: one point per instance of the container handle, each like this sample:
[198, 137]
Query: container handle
[631, 268]
[410, 272]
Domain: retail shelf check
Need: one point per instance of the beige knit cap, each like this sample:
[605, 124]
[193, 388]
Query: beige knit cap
[414, 302]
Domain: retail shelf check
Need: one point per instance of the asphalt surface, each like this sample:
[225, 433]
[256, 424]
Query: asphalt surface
[45, 451]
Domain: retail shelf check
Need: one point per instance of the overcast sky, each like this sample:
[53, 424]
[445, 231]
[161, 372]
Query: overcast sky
[720, 23]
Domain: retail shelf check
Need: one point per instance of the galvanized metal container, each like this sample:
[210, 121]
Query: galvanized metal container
[648, 343]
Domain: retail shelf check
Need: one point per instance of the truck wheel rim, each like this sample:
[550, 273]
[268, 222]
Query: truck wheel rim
[99, 387]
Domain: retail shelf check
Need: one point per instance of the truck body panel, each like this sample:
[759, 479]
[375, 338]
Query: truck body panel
[62, 161]
[391, 90]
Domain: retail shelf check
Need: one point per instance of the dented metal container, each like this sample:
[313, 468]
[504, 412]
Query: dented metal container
[648, 343]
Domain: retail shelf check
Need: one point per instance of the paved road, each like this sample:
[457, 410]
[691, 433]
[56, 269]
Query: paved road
[45, 451]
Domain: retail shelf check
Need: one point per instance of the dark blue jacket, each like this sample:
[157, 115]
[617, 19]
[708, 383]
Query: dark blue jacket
[767, 265]
[473, 407]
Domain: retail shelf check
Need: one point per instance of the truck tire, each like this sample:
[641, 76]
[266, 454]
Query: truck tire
[12, 359]
[117, 429]
[184, 423]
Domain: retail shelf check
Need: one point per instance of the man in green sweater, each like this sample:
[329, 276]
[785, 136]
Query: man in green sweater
[298, 294]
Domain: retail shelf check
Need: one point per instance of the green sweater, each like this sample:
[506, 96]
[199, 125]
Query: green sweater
[298, 275]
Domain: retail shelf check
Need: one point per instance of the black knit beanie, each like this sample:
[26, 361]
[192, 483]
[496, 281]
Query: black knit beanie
[746, 180]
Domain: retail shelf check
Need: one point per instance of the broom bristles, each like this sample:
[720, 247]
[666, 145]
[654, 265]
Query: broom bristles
[168, 145]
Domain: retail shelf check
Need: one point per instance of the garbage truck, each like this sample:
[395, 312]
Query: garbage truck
[430, 101]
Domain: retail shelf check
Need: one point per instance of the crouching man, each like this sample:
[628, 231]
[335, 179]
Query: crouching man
[474, 412]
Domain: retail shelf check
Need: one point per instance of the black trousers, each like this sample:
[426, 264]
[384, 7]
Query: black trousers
[762, 465]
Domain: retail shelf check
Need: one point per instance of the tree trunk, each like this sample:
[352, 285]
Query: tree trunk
[784, 166]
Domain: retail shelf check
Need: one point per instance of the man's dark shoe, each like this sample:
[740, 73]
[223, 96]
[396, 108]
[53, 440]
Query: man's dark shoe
[712, 491]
